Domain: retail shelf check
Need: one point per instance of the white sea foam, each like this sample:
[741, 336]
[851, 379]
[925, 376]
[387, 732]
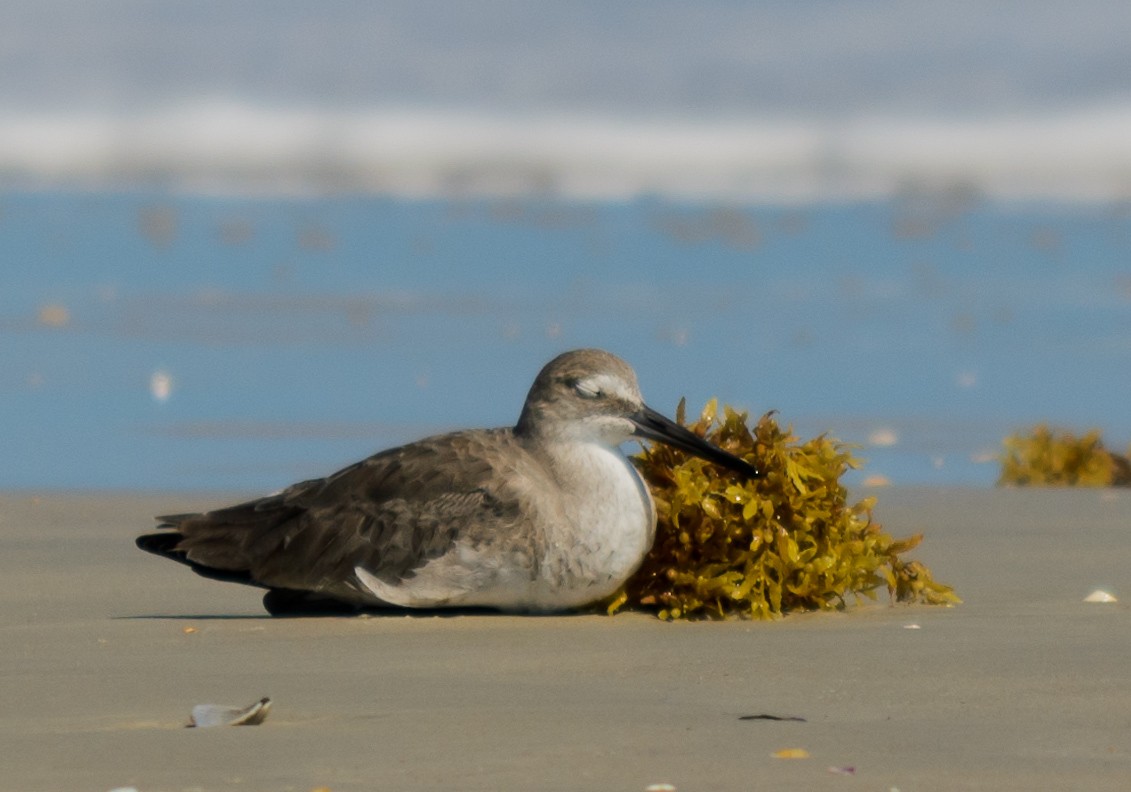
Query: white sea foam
[223, 145]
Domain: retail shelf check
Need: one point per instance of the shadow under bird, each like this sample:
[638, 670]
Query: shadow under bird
[544, 516]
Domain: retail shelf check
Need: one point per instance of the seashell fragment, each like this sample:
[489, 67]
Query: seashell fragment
[1099, 595]
[204, 715]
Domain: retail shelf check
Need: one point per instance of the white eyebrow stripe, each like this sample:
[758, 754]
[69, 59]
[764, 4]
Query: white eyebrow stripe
[606, 383]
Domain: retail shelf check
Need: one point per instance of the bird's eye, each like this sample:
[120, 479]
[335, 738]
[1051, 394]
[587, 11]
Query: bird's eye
[586, 390]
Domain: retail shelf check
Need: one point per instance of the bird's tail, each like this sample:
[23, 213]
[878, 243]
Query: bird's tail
[167, 544]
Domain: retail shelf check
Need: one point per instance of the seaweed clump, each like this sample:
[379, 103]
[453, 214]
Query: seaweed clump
[787, 541]
[1045, 457]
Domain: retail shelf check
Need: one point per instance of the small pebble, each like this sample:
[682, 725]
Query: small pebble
[1100, 596]
[883, 437]
[791, 753]
[54, 315]
[161, 386]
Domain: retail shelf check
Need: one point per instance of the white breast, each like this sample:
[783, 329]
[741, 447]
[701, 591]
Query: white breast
[611, 525]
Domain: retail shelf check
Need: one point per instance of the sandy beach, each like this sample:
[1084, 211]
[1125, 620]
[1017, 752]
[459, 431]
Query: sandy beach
[105, 650]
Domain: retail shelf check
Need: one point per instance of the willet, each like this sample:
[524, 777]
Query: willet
[545, 516]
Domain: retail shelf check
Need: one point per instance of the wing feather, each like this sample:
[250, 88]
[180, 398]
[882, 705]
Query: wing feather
[390, 514]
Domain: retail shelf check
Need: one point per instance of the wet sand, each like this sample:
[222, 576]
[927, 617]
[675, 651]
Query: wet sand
[104, 651]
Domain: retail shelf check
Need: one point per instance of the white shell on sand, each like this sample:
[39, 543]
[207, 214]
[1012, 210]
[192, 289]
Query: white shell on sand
[219, 715]
[1100, 596]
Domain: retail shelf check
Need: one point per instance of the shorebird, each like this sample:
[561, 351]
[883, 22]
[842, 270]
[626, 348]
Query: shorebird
[544, 516]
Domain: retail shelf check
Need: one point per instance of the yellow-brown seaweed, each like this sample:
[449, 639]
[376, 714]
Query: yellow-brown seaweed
[760, 548]
[1045, 457]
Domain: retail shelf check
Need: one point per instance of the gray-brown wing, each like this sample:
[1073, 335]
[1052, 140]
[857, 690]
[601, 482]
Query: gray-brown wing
[390, 513]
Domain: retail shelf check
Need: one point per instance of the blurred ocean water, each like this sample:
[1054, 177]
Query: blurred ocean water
[242, 244]
[158, 340]
[782, 100]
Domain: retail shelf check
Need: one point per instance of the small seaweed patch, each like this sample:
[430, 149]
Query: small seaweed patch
[1045, 457]
[787, 541]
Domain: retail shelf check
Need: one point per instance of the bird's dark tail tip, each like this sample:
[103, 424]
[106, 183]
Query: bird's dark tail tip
[163, 544]
[166, 543]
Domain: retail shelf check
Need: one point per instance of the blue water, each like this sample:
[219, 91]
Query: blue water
[299, 334]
